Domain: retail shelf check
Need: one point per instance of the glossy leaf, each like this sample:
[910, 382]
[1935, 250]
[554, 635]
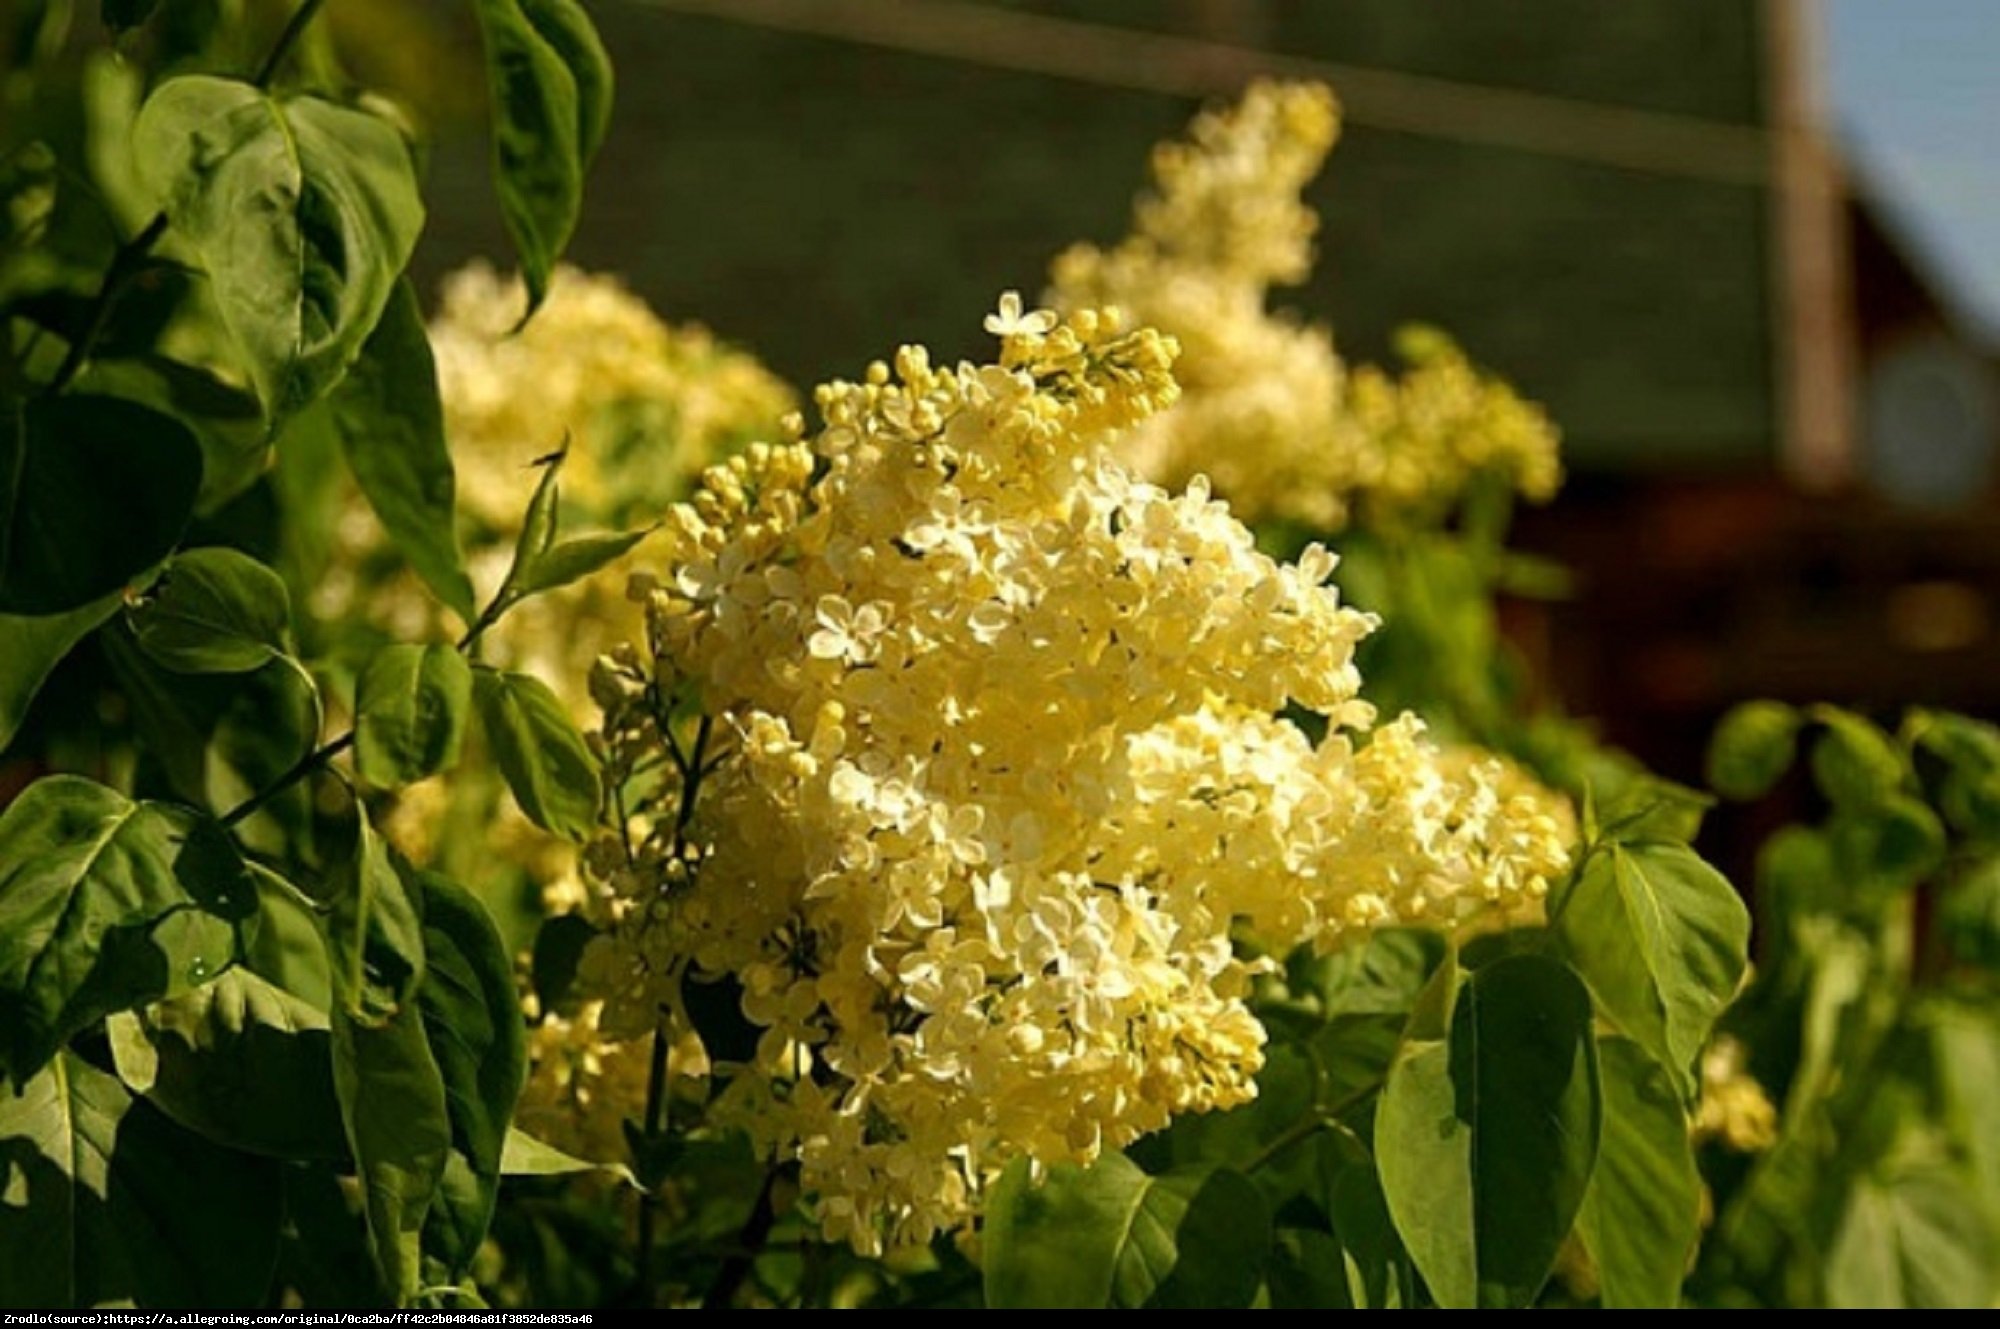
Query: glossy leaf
[284, 943]
[391, 426]
[1110, 1235]
[241, 1062]
[105, 904]
[1662, 938]
[107, 1203]
[35, 646]
[1642, 1215]
[1486, 1140]
[214, 611]
[572, 560]
[392, 1102]
[472, 1017]
[303, 212]
[93, 491]
[550, 90]
[374, 934]
[410, 712]
[548, 767]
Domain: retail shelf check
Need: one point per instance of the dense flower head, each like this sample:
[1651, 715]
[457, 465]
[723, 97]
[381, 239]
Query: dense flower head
[1269, 412]
[991, 773]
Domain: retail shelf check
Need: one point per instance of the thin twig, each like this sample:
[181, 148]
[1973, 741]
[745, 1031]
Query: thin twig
[750, 1241]
[312, 762]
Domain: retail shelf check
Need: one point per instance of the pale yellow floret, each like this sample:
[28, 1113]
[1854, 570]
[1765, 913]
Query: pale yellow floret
[1734, 1110]
[1269, 413]
[997, 770]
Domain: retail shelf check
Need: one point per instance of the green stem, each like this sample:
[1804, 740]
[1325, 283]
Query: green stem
[125, 264]
[288, 38]
[750, 1241]
[649, 1199]
[1319, 1119]
[307, 765]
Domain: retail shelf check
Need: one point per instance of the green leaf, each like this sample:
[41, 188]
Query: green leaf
[410, 710]
[391, 426]
[1361, 1263]
[1308, 1272]
[1753, 746]
[392, 1102]
[544, 563]
[374, 934]
[104, 1202]
[1662, 939]
[550, 87]
[559, 944]
[1912, 1237]
[283, 943]
[1642, 1215]
[303, 212]
[546, 763]
[1486, 1141]
[1378, 1268]
[28, 180]
[93, 491]
[218, 739]
[1888, 846]
[472, 1017]
[1969, 915]
[1109, 1235]
[1381, 976]
[241, 1062]
[572, 560]
[226, 421]
[105, 904]
[214, 611]
[523, 1155]
[1644, 807]
[1855, 764]
[35, 646]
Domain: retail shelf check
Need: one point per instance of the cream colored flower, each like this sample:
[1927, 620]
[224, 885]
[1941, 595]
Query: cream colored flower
[1268, 412]
[994, 767]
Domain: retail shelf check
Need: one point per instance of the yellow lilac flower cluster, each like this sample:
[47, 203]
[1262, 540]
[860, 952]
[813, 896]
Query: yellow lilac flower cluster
[990, 769]
[1269, 412]
[1734, 1110]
